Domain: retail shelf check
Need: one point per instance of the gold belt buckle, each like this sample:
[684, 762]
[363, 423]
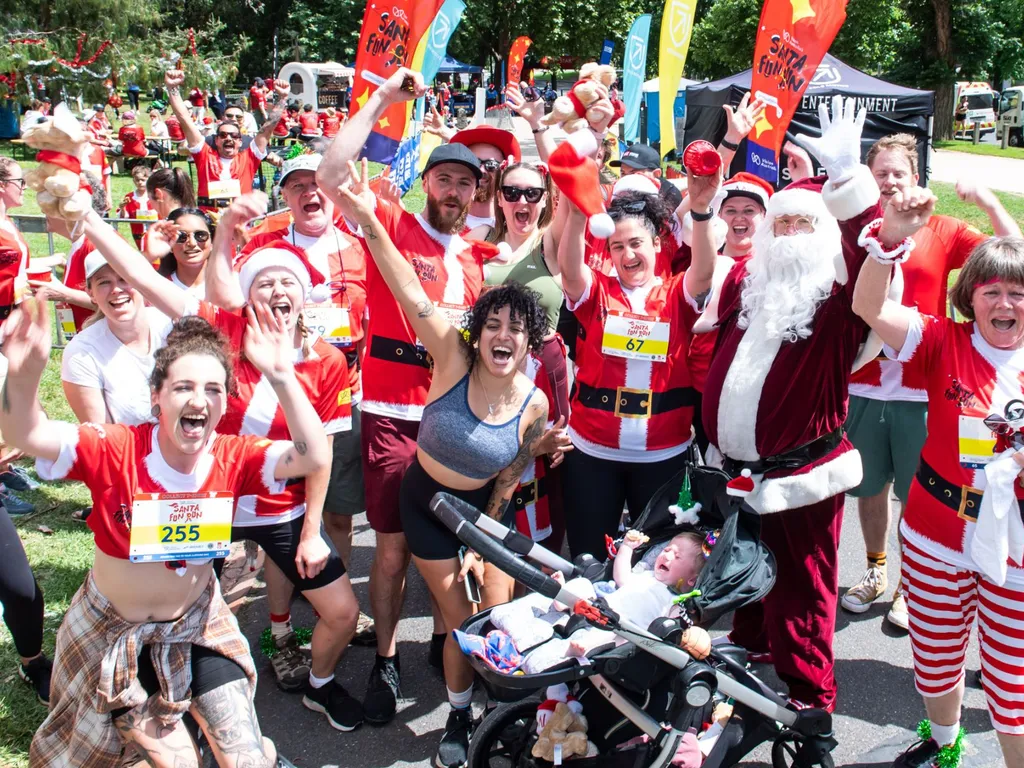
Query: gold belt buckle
[527, 494]
[967, 503]
[620, 401]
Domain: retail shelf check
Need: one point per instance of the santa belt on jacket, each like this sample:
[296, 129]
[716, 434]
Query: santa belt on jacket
[800, 457]
[395, 351]
[632, 403]
[964, 499]
[530, 493]
[213, 202]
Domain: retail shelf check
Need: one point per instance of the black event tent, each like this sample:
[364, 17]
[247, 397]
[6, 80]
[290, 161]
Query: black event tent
[891, 109]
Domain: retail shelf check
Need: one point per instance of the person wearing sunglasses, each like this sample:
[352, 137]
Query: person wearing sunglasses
[13, 277]
[492, 147]
[185, 265]
[224, 171]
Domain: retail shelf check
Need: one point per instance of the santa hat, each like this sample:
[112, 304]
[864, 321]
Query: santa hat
[636, 182]
[575, 173]
[745, 184]
[740, 486]
[280, 253]
[801, 198]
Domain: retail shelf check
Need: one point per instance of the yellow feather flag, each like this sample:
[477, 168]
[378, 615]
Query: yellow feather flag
[676, 29]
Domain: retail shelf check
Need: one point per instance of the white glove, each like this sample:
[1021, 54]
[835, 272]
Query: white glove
[838, 148]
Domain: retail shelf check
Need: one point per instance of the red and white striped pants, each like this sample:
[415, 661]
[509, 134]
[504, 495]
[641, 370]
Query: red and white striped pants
[942, 601]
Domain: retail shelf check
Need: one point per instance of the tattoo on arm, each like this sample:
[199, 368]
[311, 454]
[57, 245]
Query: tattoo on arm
[368, 232]
[300, 448]
[424, 309]
[508, 478]
[5, 400]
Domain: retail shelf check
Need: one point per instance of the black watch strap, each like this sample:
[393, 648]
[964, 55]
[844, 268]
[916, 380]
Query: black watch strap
[702, 216]
[729, 145]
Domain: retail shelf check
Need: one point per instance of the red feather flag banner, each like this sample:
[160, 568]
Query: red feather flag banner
[389, 37]
[516, 57]
[792, 38]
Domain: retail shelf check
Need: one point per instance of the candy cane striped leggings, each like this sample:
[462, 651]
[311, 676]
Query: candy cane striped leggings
[942, 601]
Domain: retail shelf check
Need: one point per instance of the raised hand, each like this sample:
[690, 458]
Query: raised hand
[531, 111]
[281, 89]
[27, 343]
[701, 190]
[354, 204]
[267, 344]
[798, 161]
[907, 212]
[390, 192]
[244, 208]
[838, 147]
[434, 123]
[403, 85]
[159, 238]
[740, 121]
[975, 194]
[174, 79]
[49, 290]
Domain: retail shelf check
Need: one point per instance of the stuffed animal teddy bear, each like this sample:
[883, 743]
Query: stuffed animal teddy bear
[573, 111]
[56, 180]
[566, 728]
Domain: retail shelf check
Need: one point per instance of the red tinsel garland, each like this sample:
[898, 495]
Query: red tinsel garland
[75, 63]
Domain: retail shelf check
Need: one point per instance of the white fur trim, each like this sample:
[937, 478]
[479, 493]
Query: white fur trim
[852, 198]
[868, 240]
[872, 346]
[709, 318]
[826, 480]
[273, 455]
[265, 258]
[58, 470]
[796, 202]
[748, 189]
[718, 227]
[686, 229]
[584, 143]
[635, 182]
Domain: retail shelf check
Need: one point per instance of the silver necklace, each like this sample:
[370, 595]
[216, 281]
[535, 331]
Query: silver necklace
[490, 407]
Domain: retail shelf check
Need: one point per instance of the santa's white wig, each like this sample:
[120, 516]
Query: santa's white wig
[789, 276]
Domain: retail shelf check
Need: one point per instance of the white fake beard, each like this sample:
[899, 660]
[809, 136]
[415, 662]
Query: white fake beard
[788, 277]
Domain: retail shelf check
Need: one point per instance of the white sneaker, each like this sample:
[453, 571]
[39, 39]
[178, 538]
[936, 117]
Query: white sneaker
[872, 586]
[897, 615]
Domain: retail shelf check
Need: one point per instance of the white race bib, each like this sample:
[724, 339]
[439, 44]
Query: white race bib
[66, 318]
[330, 323]
[146, 214]
[180, 526]
[976, 443]
[638, 337]
[455, 314]
[224, 190]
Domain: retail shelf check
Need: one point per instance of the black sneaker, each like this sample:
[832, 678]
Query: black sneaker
[453, 750]
[343, 712]
[37, 674]
[435, 657]
[920, 755]
[383, 691]
[18, 479]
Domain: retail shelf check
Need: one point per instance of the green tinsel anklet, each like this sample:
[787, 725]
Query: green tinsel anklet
[949, 755]
[302, 634]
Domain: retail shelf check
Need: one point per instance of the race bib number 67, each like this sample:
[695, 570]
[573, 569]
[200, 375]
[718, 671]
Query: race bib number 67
[637, 337]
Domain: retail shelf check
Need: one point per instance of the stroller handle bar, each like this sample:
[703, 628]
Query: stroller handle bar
[455, 519]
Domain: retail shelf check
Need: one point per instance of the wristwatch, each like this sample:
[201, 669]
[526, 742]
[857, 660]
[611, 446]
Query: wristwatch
[541, 129]
[702, 216]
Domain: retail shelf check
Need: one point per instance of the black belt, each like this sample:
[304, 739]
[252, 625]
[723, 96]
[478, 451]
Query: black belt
[529, 493]
[962, 498]
[351, 357]
[808, 453]
[633, 403]
[213, 202]
[395, 351]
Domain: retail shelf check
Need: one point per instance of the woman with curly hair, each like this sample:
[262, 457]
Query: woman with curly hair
[481, 425]
[633, 399]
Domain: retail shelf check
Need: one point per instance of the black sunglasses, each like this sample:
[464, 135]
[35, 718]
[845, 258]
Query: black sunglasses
[234, 115]
[512, 194]
[229, 135]
[200, 236]
[489, 166]
[631, 208]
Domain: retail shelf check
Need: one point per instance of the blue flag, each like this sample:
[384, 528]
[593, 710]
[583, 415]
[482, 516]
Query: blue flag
[436, 43]
[634, 69]
[407, 158]
[606, 52]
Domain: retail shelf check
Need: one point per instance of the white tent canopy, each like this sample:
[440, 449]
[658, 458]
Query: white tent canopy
[654, 86]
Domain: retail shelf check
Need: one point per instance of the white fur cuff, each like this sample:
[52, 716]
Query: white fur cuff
[852, 198]
[868, 240]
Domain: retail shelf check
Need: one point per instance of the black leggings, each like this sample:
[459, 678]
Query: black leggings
[210, 670]
[19, 592]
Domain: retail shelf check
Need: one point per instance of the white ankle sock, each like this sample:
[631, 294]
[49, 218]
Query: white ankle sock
[319, 682]
[280, 628]
[945, 735]
[460, 700]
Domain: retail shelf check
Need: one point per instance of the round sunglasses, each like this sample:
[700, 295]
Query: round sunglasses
[200, 236]
[512, 194]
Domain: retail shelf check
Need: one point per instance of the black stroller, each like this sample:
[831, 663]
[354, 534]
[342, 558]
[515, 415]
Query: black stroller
[648, 685]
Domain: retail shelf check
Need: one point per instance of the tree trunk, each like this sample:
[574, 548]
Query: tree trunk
[943, 125]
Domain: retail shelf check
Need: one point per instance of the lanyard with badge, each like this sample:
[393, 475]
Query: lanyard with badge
[331, 322]
[636, 337]
[180, 526]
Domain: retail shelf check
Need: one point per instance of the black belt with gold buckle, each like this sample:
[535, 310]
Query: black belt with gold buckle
[529, 493]
[626, 402]
[962, 498]
[395, 351]
[213, 202]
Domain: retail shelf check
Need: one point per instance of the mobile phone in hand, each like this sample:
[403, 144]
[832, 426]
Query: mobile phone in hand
[472, 588]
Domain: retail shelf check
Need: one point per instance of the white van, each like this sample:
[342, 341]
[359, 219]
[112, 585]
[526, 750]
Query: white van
[979, 105]
[1011, 114]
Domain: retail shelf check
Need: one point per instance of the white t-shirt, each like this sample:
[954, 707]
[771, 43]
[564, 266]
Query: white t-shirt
[249, 127]
[198, 289]
[472, 222]
[96, 358]
[158, 130]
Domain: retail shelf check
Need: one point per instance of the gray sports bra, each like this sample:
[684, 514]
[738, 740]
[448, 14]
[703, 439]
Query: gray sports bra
[453, 436]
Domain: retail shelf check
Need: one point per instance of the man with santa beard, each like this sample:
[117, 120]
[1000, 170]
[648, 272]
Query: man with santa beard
[396, 368]
[776, 395]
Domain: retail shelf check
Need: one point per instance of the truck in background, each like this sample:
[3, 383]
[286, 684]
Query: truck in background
[1011, 115]
[979, 105]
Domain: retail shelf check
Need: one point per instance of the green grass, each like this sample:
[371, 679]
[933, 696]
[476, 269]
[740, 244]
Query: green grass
[950, 205]
[981, 149]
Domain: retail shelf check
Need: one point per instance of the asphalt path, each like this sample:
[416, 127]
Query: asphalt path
[878, 707]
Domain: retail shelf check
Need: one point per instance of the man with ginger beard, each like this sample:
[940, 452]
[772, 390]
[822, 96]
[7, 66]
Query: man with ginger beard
[775, 398]
[396, 371]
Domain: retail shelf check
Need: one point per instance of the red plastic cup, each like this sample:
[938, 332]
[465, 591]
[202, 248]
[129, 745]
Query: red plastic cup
[40, 274]
[701, 158]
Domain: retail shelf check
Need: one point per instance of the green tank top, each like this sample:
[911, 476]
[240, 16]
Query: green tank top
[531, 271]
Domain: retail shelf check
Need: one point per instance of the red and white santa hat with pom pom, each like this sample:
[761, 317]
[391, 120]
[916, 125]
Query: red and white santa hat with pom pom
[575, 173]
[283, 254]
[740, 486]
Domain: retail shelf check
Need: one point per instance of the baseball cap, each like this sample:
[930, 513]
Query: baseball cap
[505, 141]
[308, 162]
[93, 263]
[640, 157]
[454, 153]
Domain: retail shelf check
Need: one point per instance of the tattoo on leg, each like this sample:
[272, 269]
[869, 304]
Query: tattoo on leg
[155, 742]
[228, 717]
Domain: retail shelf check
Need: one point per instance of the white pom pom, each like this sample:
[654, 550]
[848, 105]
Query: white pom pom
[504, 251]
[319, 294]
[745, 473]
[601, 225]
[574, 706]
